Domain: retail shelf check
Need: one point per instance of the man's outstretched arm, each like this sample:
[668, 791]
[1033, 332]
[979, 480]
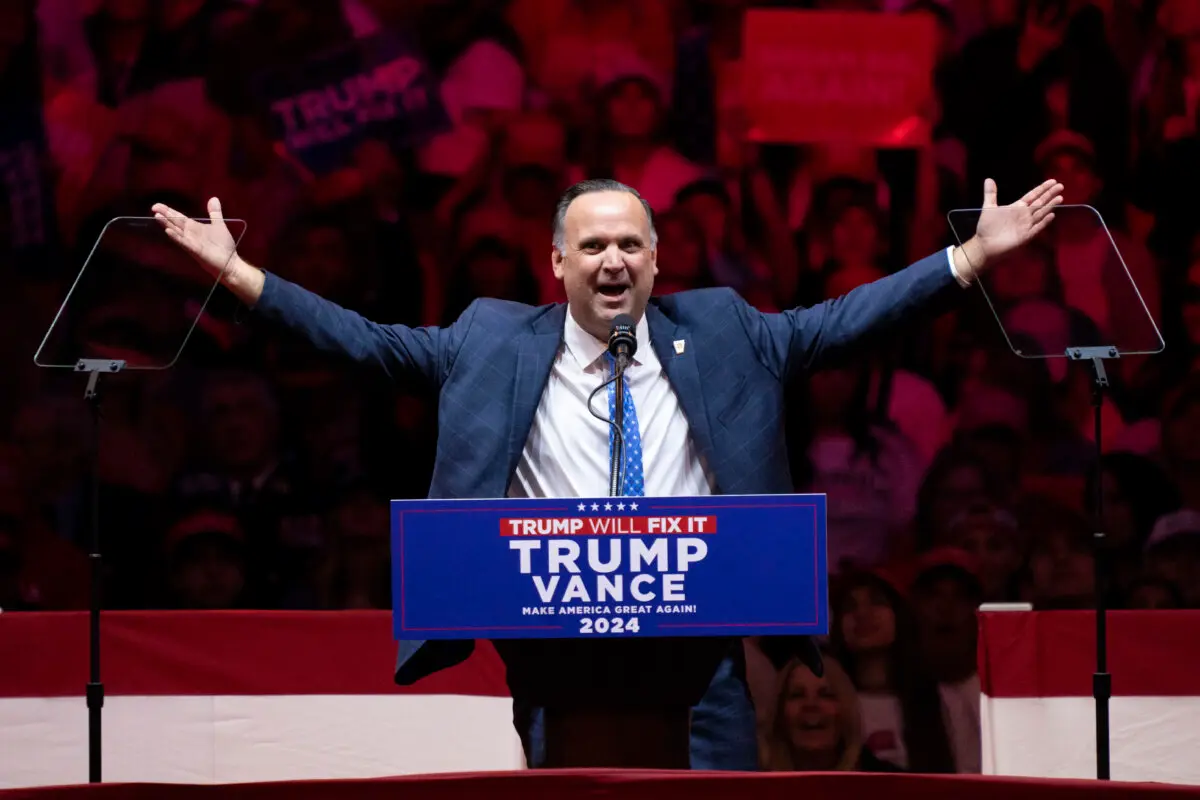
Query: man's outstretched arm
[393, 349]
[809, 338]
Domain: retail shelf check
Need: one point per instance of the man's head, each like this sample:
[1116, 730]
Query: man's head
[605, 252]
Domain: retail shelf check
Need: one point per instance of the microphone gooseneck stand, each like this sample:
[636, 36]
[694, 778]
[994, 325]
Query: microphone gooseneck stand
[617, 461]
[1101, 679]
[94, 367]
[622, 344]
[615, 464]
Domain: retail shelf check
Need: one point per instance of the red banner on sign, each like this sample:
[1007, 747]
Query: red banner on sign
[817, 76]
[606, 526]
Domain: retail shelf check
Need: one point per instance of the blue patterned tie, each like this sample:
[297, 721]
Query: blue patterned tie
[632, 485]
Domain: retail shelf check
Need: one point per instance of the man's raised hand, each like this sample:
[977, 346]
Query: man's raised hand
[213, 246]
[1002, 229]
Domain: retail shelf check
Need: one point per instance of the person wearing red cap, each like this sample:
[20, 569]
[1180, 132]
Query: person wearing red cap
[207, 570]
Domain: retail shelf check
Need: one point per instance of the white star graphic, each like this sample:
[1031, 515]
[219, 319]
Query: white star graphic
[620, 506]
[608, 506]
[595, 506]
[633, 506]
[582, 507]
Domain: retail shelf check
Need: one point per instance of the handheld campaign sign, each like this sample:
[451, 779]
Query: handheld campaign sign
[726, 565]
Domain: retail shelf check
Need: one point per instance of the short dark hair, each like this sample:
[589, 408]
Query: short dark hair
[587, 187]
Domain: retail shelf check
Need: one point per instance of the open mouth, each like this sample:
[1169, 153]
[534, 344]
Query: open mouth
[613, 291]
[812, 724]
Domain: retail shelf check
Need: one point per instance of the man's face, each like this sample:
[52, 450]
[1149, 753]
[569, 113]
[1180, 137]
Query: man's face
[608, 265]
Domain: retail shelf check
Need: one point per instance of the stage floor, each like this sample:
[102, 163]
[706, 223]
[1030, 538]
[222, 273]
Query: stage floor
[630, 785]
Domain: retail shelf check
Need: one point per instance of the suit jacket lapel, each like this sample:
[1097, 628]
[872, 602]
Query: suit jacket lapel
[683, 374]
[536, 351]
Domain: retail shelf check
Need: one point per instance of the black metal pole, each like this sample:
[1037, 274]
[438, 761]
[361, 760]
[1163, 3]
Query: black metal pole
[95, 688]
[1101, 680]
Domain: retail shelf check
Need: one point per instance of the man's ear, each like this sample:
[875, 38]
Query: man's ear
[654, 261]
[556, 262]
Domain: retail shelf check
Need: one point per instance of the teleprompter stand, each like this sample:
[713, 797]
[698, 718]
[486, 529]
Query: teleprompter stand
[1113, 323]
[127, 252]
[94, 368]
[1101, 680]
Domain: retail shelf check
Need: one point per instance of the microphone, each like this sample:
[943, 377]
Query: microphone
[622, 340]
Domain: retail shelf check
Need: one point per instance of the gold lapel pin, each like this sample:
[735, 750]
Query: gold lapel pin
[680, 344]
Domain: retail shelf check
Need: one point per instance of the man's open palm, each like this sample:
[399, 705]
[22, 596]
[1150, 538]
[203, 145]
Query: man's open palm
[1005, 228]
[209, 243]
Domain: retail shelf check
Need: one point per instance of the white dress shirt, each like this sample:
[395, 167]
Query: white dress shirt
[567, 453]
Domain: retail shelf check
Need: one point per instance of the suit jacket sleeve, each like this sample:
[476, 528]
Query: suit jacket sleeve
[396, 350]
[810, 338]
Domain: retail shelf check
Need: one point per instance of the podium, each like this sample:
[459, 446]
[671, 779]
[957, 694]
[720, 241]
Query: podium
[612, 614]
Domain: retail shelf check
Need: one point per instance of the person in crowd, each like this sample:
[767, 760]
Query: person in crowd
[1061, 573]
[246, 468]
[39, 569]
[357, 569]
[1180, 440]
[684, 263]
[989, 535]
[1173, 554]
[627, 139]
[1136, 493]
[875, 636]
[816, 725]
[867, 468]
[1148, 594]
[488, 261]
[205, 562]
[946, 592]
[955, 482]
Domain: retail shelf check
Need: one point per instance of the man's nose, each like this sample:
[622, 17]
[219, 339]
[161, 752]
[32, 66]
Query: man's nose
[613, 258]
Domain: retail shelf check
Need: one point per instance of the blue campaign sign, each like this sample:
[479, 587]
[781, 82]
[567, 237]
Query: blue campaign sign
[726, 565]
[375, 87]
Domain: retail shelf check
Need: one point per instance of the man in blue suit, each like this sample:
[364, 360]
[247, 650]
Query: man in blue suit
[705, 400]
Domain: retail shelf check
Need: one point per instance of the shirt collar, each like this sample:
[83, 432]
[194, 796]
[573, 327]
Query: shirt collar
[587, 350]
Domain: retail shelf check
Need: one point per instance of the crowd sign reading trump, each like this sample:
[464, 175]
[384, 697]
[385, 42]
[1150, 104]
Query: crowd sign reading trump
[374, 87]
[726, 565]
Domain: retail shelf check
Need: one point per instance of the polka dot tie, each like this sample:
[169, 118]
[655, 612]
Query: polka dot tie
[633, 484]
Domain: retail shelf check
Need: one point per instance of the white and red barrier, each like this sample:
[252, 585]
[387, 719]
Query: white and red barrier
[1038, 714]
[241, 696]
[231, 697]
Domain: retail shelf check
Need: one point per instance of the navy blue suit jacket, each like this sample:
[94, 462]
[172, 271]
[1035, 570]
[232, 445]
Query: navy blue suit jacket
[491, 365]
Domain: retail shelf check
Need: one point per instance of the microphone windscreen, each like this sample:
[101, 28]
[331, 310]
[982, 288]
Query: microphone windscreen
[622, 332]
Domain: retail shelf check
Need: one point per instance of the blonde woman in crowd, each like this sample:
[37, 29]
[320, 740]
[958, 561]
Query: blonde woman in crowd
[816, 724]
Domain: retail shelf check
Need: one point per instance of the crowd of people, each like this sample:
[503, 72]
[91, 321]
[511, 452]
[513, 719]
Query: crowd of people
[255, 473]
